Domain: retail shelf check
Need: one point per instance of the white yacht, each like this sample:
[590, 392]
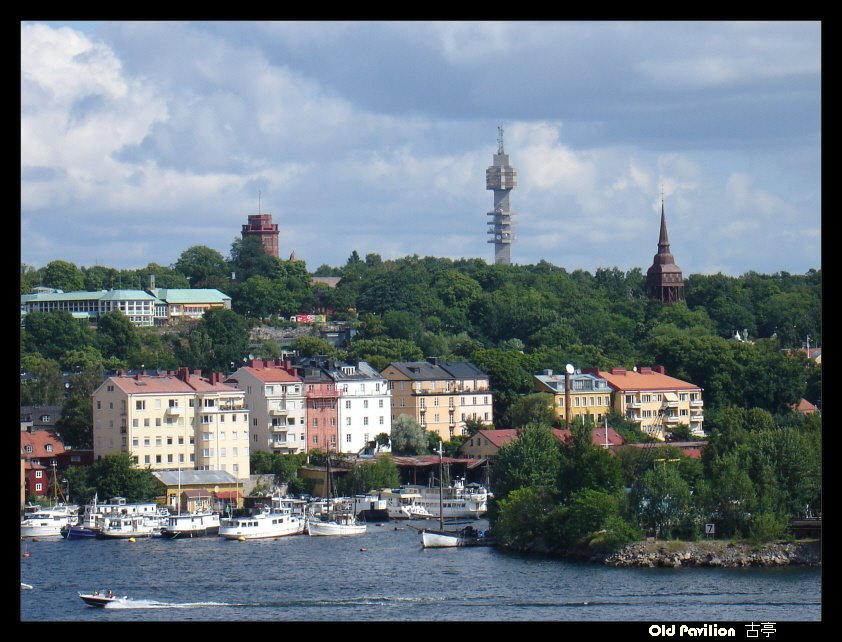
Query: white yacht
[48, 522]
[402, 504]
[126, 526]
[262, 523]
[186, 525]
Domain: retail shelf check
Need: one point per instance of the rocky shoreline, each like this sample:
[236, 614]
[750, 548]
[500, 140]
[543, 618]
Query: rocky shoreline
[709, 553]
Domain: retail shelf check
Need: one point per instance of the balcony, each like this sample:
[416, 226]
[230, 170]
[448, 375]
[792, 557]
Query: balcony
[697, 417]
[280, 427]
[671, 404]
[634, 404]
[314, 394]
[697, 403]
[175, 410]
[278, 412]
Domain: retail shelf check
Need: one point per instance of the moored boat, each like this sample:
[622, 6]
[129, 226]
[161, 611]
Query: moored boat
[48, 522]
[468, 536]
[262, 522]
[200, 524]
[335, 525]
[128, 526]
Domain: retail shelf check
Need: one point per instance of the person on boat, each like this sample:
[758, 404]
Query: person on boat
[96, 592]
[110, 593]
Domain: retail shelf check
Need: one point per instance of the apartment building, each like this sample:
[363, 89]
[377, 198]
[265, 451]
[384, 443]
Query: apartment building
[173, 420]
[588, 396]
[274, 395]
[656, 401]
[439, 395]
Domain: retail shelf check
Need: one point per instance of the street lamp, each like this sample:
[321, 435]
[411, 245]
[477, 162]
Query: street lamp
[67, 496]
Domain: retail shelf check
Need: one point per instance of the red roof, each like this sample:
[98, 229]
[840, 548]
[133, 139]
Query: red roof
[39, 440]
[503, 436]
[228, 494]
[805, 407]
[644, 380]
[271, 374]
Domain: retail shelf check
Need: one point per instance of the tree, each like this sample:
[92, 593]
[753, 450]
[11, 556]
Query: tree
[62, 275]
[115, 476]
[661, 499]
[46, 385]
[380, 352]
[536, 408]
[116, 335]
[474, 424]
[249, 258]
[532, 459]
[307, 346]
[368, 476]
[228, 334]
[77, 423]
[54, 333]
[408, 437]
[199, 263]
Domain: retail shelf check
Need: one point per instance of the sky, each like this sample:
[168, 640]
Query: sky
[140, 140]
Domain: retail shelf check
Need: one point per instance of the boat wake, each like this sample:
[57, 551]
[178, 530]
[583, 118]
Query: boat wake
[153, 604]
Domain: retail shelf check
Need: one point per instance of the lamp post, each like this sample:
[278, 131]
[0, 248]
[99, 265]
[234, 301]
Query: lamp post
[568, 370]
[67, 496]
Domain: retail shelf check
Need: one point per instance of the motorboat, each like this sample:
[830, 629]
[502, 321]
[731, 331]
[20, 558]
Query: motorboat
[402, 504]
[128, 526]
[48, 522]
[262, 522]
[199, 524]
[99, 600]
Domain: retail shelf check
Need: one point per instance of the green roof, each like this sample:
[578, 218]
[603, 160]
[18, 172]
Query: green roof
[198, 295]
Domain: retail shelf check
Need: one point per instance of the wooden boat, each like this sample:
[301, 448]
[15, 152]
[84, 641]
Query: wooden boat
[97, 600]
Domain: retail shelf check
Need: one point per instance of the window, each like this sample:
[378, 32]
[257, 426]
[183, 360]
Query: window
[147, 459]
[169, 441]
[380, 403]
[315, 439]
[98, 405]
[207, 452]
[348, 438]
[28, 448]
[207, 436]
[135, 442]
[38, 487]
[135, 424]
[139, 405]
[381, 420]
[365, 421]
[206, 419]
[365, 403]
[39, 474]
[222, 435]
[210, 403]
[146, 423]
[234, 435]
[181, 441]
[158, 422]
[49, 448]
[222, 452]
[347, 421]
[169, 459]
[347, 403]
[315, 422]
[146, 441]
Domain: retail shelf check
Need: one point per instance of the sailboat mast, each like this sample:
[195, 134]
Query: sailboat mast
[441, 488]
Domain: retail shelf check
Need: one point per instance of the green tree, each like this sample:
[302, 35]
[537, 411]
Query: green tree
[408, 437]
[380, 352]
[661, 499]
[532, 459]
[535, 408]
[200, 263]
[29, 278]
[116, 335]
[307, 346]
[228, 334]
[54, 333]
[62, 275]
[77, 423]
[367, 476]
[116, 476]
[46, 385]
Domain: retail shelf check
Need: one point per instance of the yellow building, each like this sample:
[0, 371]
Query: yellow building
[655, 401]
[589, 395]
[439, 395]
[175, 420]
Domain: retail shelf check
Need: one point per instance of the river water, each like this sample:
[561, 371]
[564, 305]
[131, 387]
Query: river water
[385, 575]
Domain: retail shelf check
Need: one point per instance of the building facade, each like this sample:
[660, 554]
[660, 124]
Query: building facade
[440, 395]
[655, 401]
[589, 395]
[174, 420]
[275, 397]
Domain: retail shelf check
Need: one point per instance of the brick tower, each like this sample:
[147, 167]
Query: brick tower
[261, 226]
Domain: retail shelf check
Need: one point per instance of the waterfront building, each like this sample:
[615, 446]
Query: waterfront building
[439, 395]
[177, 419]
[179, 304]
[656, 401]
[274, 394]
[589, 395]
[193, 490]
[486, 444]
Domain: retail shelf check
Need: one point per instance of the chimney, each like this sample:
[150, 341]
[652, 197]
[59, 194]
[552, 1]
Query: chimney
[644, 370]
[433, 360]
[618, 371]
[151, 281]
[184, 373]
[659, 369]
[548, 372]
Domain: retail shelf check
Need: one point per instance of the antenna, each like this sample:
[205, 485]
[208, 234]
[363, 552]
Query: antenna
[499, 139]
[258, 201]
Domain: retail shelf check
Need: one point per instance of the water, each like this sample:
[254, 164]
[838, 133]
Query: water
[385, 575]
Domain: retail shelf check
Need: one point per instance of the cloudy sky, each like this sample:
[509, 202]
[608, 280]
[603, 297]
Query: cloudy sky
[141, 139]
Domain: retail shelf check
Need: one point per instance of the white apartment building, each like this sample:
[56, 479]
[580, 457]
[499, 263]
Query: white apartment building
[365, 406]
[175, 420]
[277, 404]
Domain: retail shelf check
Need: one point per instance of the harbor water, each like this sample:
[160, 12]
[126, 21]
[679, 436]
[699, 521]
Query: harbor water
[385, 575]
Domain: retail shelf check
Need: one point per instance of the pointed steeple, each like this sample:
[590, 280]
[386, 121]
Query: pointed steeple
[664, 280]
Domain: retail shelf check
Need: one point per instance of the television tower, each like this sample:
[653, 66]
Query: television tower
[502, 178]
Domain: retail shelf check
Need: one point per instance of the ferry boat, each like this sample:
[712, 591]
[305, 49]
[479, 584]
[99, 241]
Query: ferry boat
[263, 522]
[187, 525]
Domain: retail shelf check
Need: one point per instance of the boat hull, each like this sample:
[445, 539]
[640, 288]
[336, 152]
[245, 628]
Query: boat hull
[453, 539]
[315, 529]
[98, 601]
[79, 532]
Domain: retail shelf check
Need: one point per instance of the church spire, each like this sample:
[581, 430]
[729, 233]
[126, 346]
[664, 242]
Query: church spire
[664, 280]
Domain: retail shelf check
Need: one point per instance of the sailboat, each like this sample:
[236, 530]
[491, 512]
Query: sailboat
[441, 538]
[338, 517]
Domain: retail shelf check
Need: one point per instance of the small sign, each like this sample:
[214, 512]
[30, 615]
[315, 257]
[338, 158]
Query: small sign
[710, 529]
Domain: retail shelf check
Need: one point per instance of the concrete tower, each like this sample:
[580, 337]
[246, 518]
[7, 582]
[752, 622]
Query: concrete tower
[664, 280]
[502, 178]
